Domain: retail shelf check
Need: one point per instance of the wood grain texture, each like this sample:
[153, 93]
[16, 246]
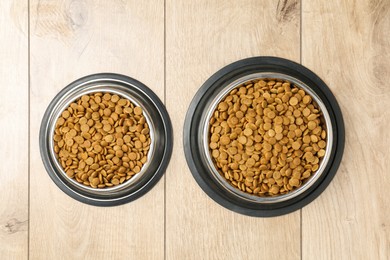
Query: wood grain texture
[348, 45]
[70, 39]
[202, 37]
[14, 129]
[345, 42]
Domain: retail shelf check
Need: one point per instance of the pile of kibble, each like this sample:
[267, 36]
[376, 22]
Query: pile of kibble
[102, 140]
[267, 137]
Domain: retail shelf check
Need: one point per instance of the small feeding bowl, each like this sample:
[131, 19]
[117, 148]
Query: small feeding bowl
[197, 136]
[160, 133]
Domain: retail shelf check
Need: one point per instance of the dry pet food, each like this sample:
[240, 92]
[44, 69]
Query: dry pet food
[267, 137]
[102, 140]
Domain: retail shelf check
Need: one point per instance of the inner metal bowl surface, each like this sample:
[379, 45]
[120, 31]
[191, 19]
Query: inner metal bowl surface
[205, 128]
[90, 89]
[160, 133]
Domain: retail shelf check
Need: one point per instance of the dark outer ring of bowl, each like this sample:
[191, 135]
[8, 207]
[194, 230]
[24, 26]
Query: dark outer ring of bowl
[163, 163]
[214, 84]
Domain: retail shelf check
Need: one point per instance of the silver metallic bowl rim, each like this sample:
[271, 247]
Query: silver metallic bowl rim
[205, 152]
[121, 193]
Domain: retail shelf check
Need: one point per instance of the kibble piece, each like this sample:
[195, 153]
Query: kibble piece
[267, 126]
[311, 125]
[94, 140]
[137, 111]
[306, 99]
[132, 156]
[89, 161]
[267, 137]
[321, 153]
[293, 101]
[214, 138]
[296, 145]
[322, 144]
[248, 132]
[225, 140]
[242, 139]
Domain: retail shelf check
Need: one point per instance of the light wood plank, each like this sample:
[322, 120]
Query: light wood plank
[70, 39]
[14, 129]
[203, 36]
[347, 44]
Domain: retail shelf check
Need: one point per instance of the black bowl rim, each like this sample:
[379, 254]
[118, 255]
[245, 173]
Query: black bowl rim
[239, 69]
[164, 161]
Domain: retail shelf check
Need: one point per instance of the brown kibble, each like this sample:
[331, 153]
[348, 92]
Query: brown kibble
[115, 160]
[65, 114]
[137, 111]
[279, 136]
[70, 173]
[294, 182]
[72, 133]
[132, 156]
[267, 146]
[128, 110]
[142, 138]
[248, 132]
[107, 127]
[306, 99]
[137, 169]
[115, 181]
[278, 120]
[60, 121]
[119, 153]
[242, 139]
[69, 142]
[213, 145]
[250, 162]
[97, 148]
[214, 138]
[311, 125]
[89, 161]
[223, 106]
[84, 128]
[271, 114]
[267, 137]
[107, 112]
[306, 139]
[267, 126]
[322, 144]
[94, 166]
[95, 181]
[293, 101]
[297, 161]
[274, 189]
[321, 153]
[306, 112]
[108, 138]
[224, 140]
[138, 144]
[296, 145]
[107, 96]
[311, 117]
[114, 98]
[94, 141]
[278, 129]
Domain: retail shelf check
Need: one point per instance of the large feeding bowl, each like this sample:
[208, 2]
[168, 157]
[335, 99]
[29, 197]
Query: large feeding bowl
[196, 136]
[160, 133]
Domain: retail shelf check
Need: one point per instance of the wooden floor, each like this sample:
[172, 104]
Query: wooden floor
[173, 46]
